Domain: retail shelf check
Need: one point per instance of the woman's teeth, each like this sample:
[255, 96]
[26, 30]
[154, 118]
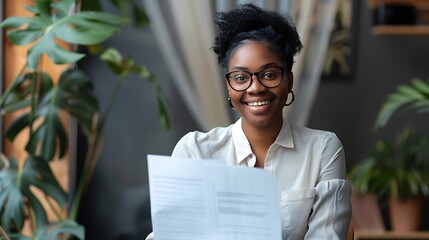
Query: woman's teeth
[258, 103]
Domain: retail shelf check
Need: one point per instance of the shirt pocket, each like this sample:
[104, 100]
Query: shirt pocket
[295, 208]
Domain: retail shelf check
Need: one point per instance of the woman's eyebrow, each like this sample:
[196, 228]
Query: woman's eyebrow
[261, 67]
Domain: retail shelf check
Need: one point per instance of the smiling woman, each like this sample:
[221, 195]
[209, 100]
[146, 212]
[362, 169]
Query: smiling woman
[256, 48]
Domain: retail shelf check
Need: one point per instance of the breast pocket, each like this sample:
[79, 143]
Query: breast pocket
[295, 208]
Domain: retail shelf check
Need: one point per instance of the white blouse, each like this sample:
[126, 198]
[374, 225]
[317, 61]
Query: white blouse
[310, 169]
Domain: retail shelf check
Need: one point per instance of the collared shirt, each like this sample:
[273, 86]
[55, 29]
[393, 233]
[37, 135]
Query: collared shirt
[309, 166]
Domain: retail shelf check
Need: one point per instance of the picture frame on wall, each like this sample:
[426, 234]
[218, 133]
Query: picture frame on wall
[340, 58]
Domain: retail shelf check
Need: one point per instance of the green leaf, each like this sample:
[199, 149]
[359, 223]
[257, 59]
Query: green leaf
[56, 53]
[85, 28]
[36, 172]
[139, 15]
[75, 96]
[14, 22]
[20, 123]
[64, 6]
[20, 90]
[23, 37]
[406, 97]
[60, 228]
[386, 112]
[398, 168]
[72, 94]
[410, 92]
[11, 201]
[40, 214]
[15, 186]
[44, 9]
[17, 105]
[163, 114]
[421, 85]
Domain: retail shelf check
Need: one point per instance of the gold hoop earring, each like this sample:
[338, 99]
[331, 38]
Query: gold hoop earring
[230, 103]
[293, 98]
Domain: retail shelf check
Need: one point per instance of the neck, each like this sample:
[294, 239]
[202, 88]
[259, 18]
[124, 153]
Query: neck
[262, 137]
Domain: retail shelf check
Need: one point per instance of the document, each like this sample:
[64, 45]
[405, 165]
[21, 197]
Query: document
[196, 199]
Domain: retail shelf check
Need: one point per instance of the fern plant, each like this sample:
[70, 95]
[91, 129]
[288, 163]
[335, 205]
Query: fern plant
[43, 101]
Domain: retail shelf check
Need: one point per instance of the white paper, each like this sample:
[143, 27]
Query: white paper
[206, 199]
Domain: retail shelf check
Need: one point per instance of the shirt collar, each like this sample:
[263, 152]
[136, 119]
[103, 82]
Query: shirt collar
[285, 137]
[242, 145]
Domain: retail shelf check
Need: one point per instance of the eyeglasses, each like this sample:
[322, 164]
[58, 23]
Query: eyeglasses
[269, 77]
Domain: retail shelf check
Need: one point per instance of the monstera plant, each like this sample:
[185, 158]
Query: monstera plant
[54, 30]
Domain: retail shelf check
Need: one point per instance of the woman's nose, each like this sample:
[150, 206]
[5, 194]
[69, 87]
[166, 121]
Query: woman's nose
[256, 85]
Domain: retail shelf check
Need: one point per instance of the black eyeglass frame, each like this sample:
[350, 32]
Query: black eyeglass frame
[282, 71]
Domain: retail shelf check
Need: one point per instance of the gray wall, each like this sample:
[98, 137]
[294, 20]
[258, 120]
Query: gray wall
[117, 205]
[349, 107]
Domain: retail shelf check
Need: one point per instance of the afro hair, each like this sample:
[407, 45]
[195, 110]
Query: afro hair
[249, 22]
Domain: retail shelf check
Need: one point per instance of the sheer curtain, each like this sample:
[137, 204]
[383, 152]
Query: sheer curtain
[185, 32]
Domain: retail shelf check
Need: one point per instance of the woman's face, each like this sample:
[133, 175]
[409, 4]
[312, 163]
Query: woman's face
[258, 105]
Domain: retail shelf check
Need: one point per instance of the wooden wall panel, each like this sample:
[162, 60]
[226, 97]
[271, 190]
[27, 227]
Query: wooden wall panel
[13, 60]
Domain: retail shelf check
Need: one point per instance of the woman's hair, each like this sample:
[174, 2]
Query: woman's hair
[249, 22]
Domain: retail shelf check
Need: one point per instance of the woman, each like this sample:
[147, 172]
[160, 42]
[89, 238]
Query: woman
[256, 47]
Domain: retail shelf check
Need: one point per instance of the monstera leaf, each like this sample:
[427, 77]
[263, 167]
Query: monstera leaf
[57, 230]
[15, 190]
[52, 22]
[72, 94]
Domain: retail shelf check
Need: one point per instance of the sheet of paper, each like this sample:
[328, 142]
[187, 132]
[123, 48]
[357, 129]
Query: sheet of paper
[206, 199]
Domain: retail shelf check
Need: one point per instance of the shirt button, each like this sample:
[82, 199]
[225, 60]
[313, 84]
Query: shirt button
[251, 155]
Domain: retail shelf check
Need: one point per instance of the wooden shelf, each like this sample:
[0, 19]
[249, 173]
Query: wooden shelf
[401, 30]
[422, 7]
[419, 4]
[363, 235]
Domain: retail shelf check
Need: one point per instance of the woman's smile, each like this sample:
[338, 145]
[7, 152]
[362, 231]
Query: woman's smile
[258, 104]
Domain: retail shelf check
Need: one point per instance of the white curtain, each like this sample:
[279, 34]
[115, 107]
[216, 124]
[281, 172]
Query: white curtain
[185, 32]
[314, 21]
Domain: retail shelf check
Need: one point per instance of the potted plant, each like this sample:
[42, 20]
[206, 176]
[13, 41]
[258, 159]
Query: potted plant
[399, 172]
[54, 29]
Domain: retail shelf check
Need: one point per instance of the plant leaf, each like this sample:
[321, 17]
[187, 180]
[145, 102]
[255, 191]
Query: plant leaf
[17, 126]
[75, 96]
[60, 228]
[15, 186]
[11, 201]
[37, 172]
[14, 22]
[421, 85]
[414, 96]
[48, 46]
[20, 92]
[53, 21]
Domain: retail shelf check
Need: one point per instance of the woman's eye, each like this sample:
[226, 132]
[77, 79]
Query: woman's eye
[269, 75]
[240, 78]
